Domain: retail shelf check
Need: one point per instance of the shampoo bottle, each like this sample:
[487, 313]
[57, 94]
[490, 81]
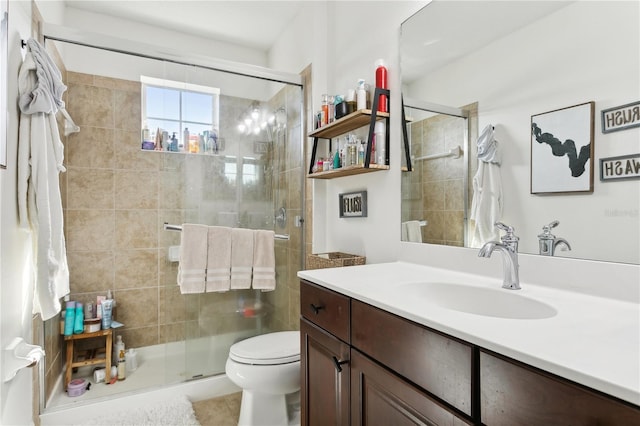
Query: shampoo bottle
[381, 143]
[122, 366]
[361, 95]
[118, 346]
[78, 327]
[69, 317]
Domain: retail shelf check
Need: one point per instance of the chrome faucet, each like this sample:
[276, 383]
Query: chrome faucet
[509, 249]
[549, 242]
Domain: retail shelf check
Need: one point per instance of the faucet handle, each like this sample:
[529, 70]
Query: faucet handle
[508, 229]
[550, 226]
[509, 238]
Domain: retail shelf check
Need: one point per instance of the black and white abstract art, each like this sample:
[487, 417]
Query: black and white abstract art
[562, 150]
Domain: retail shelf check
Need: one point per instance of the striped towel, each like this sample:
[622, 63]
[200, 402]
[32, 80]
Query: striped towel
[264, 260]
[193, 258]
[219, 259]
[241, 258]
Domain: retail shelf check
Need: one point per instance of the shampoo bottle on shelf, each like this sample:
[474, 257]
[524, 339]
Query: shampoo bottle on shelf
[78, 327]
[69, 316]
[361, 95]
[380, 137]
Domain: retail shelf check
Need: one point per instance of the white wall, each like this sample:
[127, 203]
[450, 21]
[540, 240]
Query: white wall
[536, 70]
[16, 291]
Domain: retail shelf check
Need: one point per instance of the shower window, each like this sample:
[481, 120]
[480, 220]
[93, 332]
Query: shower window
[173, 107]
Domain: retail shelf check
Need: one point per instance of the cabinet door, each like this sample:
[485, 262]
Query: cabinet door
[379, 397]
[437, 363]
[325, 377]
[512, 394]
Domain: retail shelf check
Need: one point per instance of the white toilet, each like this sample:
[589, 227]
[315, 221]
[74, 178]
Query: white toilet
[267, 368]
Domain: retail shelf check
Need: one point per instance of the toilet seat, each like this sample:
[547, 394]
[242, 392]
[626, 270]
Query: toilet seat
[281, 347]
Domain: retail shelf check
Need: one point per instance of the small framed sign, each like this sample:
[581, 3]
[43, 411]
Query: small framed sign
[620, 168]
[353, 204]
[621, 117]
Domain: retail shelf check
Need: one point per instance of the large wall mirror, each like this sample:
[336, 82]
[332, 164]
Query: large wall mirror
[506, 64]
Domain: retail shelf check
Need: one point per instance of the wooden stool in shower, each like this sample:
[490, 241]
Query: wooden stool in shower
[72, 355]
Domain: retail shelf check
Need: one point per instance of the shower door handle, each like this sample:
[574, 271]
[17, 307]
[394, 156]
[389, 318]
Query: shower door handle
[316, 309]
[339, 363]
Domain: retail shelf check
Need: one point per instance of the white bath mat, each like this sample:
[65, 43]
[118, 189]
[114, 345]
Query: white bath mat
[175, 412]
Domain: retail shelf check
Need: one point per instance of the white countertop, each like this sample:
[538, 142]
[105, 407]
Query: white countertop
[592, 340]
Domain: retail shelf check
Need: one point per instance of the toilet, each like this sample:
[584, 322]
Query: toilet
[267, 368]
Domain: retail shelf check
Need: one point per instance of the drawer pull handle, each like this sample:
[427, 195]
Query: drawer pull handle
[339, 363]
[316, 309]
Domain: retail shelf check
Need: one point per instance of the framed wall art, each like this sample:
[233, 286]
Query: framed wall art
[562, 150]
[621, 117]
[353, 204]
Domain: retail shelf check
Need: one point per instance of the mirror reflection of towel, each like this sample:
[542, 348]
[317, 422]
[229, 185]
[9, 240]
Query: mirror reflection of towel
[487, 202]
[411, 231]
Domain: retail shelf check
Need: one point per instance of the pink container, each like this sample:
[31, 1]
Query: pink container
[76, 387]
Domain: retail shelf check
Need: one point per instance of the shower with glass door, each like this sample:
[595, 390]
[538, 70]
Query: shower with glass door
[238, 164]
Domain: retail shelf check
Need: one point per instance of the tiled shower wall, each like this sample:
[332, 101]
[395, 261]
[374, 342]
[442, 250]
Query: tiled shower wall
[118, 198]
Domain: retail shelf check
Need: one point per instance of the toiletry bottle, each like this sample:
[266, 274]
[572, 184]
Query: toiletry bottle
[325, 110]
[361, 95]
[344, 155]
[361, 152]
[336, 157]
[122, 366]
[69, 317]
[118, 346]
[185, 140]
[174, 143]
[331, 109]
[113, 304]
[381, 82]
[78, 327]
[381, 151]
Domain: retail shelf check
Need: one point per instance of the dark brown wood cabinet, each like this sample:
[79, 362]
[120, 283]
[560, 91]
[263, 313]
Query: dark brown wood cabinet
[513, 394]
[380, 397]
[362, 365]
[325, 373]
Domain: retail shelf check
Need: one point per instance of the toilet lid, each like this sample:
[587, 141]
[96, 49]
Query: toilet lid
[268, 349]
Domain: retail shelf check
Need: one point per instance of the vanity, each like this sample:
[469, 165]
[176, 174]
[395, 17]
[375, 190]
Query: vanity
[399, 343]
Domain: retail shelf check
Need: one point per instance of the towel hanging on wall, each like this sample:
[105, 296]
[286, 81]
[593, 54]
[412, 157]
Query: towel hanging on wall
[40, 161]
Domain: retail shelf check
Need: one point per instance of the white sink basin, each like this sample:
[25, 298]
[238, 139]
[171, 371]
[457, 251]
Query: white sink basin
[499, 302]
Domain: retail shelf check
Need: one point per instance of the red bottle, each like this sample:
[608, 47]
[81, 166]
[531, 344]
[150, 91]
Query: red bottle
[381, 82]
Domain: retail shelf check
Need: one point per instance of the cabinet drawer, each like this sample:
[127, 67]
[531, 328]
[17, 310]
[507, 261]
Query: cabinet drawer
[513, 394]
[325, 308]
[438, 364]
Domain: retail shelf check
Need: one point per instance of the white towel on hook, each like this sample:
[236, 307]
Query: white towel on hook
[39, 163]
[241, 258]
[193, 258]
[264, 260]
[219, 259]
